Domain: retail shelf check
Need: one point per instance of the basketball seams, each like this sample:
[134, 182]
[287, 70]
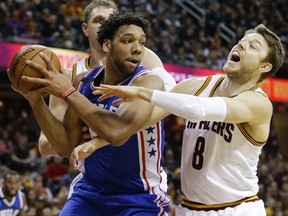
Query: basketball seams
[33, 56]
[19, 68]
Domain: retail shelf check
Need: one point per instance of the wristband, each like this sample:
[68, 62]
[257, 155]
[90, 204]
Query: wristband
[67, 92]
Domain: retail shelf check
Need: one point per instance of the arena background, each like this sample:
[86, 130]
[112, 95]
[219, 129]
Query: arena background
[191, 37]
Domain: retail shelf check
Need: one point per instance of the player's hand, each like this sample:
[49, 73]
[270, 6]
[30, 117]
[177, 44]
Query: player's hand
[126, 93]
[32, 95]
[81, 152]
[55, 82]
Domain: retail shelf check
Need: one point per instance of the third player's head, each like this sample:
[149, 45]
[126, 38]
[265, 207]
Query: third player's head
[93, 14]
[123, 38]
[11, 183]
[257, 55]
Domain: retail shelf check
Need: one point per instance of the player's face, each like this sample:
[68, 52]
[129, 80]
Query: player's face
[127, 48]
[11, 185]
[97, 15]
[246, 57]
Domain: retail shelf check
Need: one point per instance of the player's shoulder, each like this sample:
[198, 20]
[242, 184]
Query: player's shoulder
[191, 85]
[148, 80]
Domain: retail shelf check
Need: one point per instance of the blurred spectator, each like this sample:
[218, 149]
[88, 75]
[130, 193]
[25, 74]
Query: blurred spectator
[67, 178]
[54, 172]
[178, 38]
[41, 190]
[6, 148]
[22, 156]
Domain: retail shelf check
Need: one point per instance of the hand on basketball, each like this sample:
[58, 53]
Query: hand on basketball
[126, 93]
[33, 96]
[54, 81]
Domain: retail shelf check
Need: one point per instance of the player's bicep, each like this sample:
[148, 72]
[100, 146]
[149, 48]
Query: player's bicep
[157, 114]
[189, 86]
[250, 107]
[137, 112]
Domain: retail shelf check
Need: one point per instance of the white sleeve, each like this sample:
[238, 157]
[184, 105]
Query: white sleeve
[191, 107]
[169, 81]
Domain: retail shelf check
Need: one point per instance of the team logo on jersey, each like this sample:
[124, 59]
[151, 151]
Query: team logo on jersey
[222, 128]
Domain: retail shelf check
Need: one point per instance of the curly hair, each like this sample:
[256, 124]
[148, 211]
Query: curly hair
[110, 26]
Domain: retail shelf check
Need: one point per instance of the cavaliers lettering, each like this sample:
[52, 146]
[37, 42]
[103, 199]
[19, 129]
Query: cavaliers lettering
[222, 128]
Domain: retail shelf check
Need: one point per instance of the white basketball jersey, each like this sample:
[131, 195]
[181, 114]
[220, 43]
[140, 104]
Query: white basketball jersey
[219, 159]
[80, 67]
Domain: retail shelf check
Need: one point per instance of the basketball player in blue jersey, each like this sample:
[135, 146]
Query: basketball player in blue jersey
[94, 13]
[12, 199]
[227, 123]
[125, 177]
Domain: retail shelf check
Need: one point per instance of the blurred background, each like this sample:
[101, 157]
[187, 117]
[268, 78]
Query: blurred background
[192, 38]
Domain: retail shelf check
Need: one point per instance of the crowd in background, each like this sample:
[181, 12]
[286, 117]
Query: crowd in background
[177, 38]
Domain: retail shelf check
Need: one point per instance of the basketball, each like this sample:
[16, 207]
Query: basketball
[19, 68]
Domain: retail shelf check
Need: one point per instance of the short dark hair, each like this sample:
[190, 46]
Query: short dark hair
[110, 26]
[276, 53]
[10, 173]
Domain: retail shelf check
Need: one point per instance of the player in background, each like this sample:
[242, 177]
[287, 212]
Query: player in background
[94, 13]
[12, 199]
[126, 177]
[227, 124]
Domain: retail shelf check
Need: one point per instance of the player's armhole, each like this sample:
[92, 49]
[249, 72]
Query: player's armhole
[73, 72]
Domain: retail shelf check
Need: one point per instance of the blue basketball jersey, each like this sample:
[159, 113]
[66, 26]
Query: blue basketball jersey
[10, 208]
[133, 167]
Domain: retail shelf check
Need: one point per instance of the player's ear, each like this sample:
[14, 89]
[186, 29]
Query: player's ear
[106, 45]
[265, 67]
[85, 29]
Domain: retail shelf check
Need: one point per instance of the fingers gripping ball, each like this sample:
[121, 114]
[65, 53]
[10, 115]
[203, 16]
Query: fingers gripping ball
[19, 68]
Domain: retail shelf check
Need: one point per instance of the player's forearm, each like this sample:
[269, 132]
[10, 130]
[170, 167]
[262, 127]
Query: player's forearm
[144, 94]
[45, 148]
[111, 126]
[98, 142]
[53, 129]
[191, 107]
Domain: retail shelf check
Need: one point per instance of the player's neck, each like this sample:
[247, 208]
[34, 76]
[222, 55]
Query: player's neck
[97, 59]
[6, 196]
[229, 88]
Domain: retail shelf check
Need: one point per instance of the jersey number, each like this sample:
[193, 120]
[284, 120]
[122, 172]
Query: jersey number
[198, 158]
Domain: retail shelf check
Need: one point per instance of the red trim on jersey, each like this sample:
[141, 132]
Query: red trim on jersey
[143, 159]
[159, 151]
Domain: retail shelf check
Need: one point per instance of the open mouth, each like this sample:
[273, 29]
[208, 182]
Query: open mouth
[235, 57]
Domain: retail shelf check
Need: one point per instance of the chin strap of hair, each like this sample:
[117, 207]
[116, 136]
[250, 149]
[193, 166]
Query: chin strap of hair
[191, 107]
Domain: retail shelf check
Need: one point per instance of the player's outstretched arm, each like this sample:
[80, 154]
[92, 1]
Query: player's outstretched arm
[183, 105]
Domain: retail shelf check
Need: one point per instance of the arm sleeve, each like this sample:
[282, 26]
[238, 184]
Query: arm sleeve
[169, 81]
[191, 107]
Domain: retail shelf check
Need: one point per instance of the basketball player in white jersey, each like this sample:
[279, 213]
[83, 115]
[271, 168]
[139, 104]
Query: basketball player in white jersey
[94, 13]
[227, 124]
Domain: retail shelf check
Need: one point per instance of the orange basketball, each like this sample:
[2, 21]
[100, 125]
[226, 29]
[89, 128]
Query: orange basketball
[19, 68]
